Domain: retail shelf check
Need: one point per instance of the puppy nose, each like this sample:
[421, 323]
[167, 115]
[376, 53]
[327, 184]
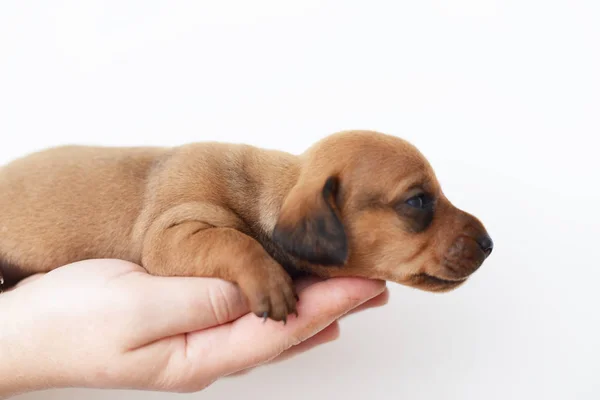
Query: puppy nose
[486, 244]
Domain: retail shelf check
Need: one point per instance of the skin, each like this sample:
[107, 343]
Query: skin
[355, 204]
[109, 324]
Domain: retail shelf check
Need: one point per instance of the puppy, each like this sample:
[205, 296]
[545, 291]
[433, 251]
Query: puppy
[357, 203]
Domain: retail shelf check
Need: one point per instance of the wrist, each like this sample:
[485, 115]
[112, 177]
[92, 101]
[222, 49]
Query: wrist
[20, 370]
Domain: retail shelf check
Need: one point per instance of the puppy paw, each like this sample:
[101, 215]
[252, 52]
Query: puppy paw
[271, 295]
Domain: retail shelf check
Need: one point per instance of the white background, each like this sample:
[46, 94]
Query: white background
[503, 97]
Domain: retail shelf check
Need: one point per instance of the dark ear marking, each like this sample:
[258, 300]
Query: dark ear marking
[330, 188]
[313, 231]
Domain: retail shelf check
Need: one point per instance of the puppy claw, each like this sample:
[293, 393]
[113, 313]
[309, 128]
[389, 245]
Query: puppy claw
[272, 297]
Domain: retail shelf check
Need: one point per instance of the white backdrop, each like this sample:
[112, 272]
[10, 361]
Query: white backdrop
[503, 97]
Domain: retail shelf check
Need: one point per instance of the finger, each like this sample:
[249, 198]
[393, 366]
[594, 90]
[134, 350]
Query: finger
[329, 334]
[247, 342]
[171, 306]
[305, 282]
[377, 301]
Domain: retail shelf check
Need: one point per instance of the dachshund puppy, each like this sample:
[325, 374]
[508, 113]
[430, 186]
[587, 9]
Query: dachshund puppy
[357, 203]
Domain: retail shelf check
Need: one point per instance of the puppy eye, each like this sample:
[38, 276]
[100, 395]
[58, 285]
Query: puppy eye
[420, 201]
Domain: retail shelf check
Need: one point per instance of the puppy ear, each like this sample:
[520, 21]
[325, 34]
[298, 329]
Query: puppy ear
[309, 225]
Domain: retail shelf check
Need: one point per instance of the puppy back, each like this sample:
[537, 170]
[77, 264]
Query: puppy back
[72, 202]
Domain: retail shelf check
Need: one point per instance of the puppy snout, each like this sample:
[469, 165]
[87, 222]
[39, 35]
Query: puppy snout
[486, 244]
[465, 255]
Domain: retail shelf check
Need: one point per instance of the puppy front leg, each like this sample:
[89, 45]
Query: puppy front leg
[196, 249]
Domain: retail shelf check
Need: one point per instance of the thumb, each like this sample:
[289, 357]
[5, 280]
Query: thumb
[168, 306]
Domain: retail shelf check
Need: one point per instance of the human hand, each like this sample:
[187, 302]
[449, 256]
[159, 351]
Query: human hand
[108, 324]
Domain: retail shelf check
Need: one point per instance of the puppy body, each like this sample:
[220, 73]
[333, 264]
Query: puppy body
[248, 215]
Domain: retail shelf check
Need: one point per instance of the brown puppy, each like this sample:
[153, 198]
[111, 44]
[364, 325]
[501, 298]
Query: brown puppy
[355, 204]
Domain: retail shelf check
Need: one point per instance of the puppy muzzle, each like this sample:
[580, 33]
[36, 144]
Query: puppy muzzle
[465, 255]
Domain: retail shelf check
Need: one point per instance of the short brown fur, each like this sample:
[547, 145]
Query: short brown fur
[240, 213]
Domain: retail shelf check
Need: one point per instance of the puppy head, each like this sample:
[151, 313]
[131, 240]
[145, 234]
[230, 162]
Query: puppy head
[368, 204]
